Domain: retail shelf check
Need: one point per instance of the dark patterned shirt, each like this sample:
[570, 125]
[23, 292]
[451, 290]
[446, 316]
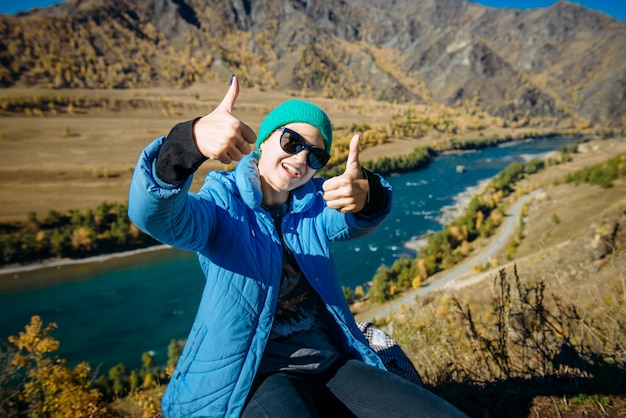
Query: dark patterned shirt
[299, 339]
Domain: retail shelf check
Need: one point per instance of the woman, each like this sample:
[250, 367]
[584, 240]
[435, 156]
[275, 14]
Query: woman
[273, 335]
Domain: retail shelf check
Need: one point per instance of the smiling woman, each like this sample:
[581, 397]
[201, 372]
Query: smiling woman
[274, 335]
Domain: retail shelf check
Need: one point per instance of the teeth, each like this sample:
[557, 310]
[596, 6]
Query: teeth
[291, 169]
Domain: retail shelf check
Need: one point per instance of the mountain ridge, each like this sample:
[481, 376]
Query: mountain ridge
[556, 63]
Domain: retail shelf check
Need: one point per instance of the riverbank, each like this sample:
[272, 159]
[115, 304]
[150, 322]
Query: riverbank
[35, 275]
[448, 214]
[457, 276]
[398, 241]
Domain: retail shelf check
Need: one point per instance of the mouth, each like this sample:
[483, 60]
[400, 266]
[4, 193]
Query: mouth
[291, 170]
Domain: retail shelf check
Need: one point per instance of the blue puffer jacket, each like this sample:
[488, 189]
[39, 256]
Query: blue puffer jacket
[241, 255]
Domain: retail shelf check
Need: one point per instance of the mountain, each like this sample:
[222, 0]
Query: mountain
[564, 61]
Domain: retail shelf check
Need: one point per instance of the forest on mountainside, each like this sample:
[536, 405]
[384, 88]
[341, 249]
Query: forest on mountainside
[558, 64]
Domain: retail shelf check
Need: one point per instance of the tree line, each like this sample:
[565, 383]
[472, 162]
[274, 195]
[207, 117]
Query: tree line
[108, 229]
[453, 243]
[73, 234]
[418, 159]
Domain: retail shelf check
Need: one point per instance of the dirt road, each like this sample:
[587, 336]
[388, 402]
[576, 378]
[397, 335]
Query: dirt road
[461, 272]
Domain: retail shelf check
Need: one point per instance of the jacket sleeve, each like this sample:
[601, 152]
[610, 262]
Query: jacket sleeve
[179, 157]
[168, 212]
[377, 198]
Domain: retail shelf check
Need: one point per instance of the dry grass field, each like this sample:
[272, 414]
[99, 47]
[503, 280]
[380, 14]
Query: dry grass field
[78, 160]
[78, 157]
[575, 206]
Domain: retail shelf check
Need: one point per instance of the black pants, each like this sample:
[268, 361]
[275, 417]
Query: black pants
[350, 389]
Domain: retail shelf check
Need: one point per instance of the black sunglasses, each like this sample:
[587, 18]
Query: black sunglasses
[293, 143]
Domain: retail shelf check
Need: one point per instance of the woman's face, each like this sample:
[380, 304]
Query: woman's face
[282, 172]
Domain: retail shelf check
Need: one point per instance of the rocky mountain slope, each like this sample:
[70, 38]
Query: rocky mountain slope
[552, 63]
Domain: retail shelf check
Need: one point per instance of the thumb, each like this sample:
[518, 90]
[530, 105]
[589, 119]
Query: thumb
[228, 102]
[352, 163]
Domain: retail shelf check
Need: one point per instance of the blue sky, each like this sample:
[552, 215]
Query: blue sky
[615, 8]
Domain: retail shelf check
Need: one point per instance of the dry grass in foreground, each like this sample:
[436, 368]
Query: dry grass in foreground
[541, 338]
[533, 350]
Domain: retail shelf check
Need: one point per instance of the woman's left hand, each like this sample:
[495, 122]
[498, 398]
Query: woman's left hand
[348, 192]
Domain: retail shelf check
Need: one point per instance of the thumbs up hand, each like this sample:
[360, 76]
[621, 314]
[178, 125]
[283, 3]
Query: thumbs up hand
[221, 136]
[348, 192]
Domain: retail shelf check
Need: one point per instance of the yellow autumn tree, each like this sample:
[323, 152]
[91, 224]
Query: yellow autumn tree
[422, 269]
[359, 293]
[52, 389]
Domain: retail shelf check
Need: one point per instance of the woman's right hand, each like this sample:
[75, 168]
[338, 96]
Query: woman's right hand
[221, 136]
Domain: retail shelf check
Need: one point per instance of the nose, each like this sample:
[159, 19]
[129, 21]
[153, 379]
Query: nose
[301, 156]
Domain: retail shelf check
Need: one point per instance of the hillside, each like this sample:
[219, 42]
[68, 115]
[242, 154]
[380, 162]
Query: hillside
[540, 333]
[531, 67]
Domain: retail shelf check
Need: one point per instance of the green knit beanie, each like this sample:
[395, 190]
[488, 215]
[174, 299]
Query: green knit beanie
[293, 111]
